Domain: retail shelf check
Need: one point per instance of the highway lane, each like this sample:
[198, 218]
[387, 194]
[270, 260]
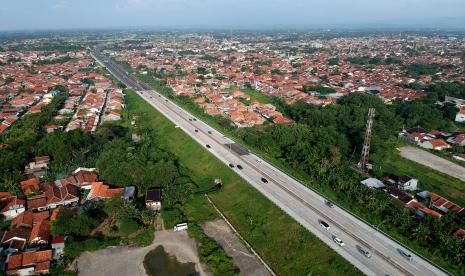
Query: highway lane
[304, 205]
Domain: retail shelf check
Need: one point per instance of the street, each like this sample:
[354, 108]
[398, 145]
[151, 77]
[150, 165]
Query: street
[303, 204]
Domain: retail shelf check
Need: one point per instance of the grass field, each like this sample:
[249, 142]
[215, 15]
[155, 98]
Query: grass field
[285, 245]
[429, 179]
[257, 95]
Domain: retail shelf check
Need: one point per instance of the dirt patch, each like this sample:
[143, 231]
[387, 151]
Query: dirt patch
[243, 258]
[122, 260]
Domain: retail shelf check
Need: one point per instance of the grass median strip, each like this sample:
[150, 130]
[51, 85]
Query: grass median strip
[285, 245]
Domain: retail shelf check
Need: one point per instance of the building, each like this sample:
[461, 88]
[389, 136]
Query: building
[436, 144]
[29, 263]
[153, 199]
[38, 167]
[13, 207]
[373, 183]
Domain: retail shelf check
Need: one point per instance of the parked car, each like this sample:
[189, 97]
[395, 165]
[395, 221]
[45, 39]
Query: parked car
[364, 251]
[239, 167]
[338, 241]
[405, 254]
[264, 180]
[324, 224]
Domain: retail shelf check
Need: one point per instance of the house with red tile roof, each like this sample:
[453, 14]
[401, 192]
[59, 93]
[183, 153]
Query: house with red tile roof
[102, 191]
[27, 263]
[13, 207]
[40, 233]
[31, 185]
[436, 144]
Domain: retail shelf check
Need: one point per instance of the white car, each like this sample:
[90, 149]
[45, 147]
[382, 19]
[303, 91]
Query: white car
[338, 241]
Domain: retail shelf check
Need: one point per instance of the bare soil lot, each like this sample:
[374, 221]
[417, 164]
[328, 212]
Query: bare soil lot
[122, 260]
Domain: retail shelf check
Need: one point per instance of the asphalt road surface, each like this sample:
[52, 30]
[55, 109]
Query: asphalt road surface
[304, 205]
[433, 161]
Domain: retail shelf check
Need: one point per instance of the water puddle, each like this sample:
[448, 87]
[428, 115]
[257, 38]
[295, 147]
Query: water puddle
[159, 263]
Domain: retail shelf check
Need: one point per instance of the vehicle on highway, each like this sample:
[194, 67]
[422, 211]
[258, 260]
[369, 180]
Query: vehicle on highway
[196, 130]
[194, 119]
[208, 146]
[329, 203]
[166, 100]
[405, 254]
[209, 132]
[177, 127]
[239, 167]
[338, 241]
[264, 180]
[231, 165]
[324, 224]
[364, 251]
[190, 119]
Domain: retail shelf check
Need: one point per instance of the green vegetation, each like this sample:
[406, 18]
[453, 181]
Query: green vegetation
[333, 61]
[255, 217]
[20, 143]
[62, 59]
[320, 89]
[372, 60]
[417, 69]
[257, 95]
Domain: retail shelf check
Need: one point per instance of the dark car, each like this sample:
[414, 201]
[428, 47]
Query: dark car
[196, 130]
[208, 146]
[264, 180]
[209, 132]
[405, 254]
[190, 119]
[231, 165]
[329, 203]
[166, 100]
[364, 251]
[239, 167]
[194, 119]
[324, 224]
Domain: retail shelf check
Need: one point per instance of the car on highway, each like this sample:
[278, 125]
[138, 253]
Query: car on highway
[364, 251]
[194, 119]
[329, 203]
[209, 132]
[231, 165]
[264, 180]
[324, 224]
[190, 119]
[405, 254]
[239, 167]
[208, 146]
[338, 241]
[166, 100]
[196, 130]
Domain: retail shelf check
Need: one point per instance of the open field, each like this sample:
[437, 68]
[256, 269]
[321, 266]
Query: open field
[284, 244]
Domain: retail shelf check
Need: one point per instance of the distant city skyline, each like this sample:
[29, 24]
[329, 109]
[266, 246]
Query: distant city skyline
[87, 14]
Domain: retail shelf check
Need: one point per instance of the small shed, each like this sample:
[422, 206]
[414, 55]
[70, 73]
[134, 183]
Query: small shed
[153, 199]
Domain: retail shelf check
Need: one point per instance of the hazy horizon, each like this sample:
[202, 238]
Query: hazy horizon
[110, 14]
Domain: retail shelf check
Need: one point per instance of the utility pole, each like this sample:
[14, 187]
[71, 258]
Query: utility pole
[363, 163]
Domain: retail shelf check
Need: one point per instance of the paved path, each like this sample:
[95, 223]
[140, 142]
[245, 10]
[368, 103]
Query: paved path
[433, 161]
[122, 260]
[248, 264]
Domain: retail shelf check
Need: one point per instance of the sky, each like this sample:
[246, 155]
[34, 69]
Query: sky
[99, 14]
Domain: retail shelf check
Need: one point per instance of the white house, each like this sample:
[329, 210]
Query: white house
[460, 117]
[13, 207]
[407, 183]
[153, 199]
